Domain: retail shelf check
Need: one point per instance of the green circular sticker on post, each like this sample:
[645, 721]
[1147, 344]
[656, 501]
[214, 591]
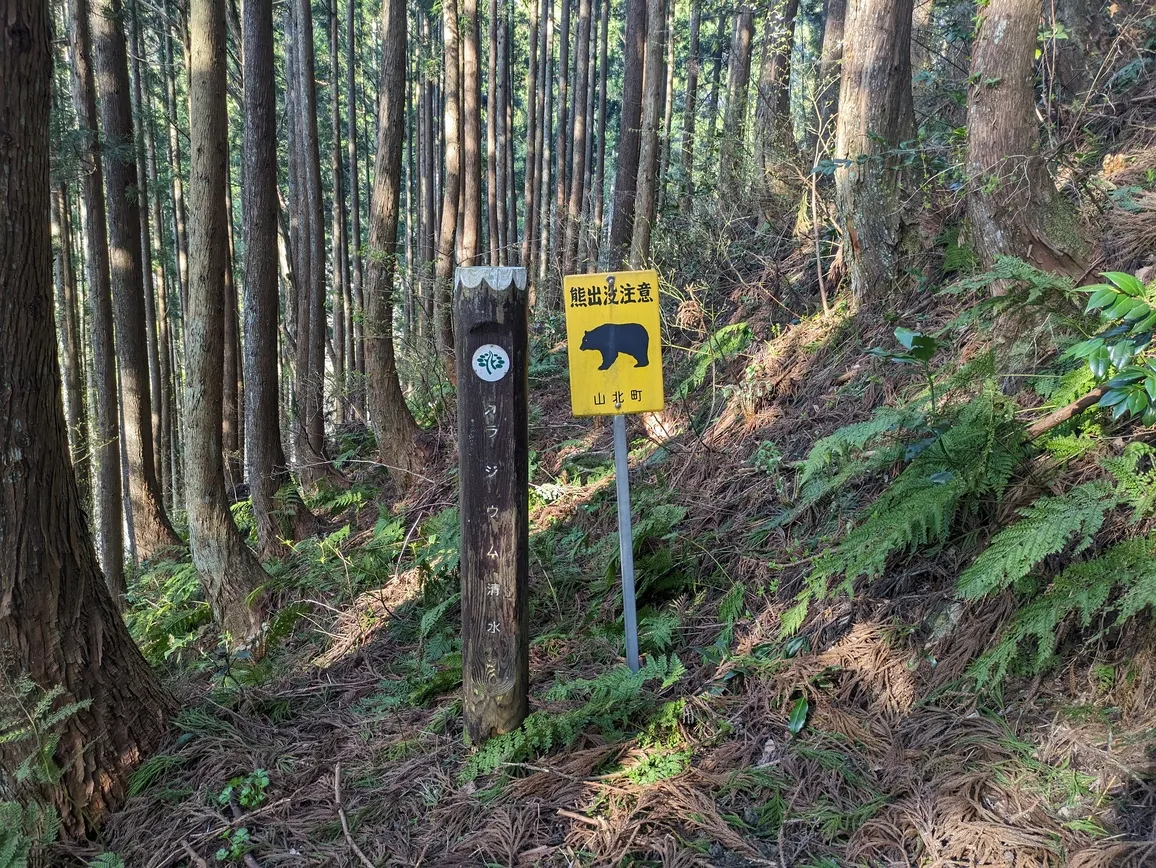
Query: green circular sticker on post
[491, 362]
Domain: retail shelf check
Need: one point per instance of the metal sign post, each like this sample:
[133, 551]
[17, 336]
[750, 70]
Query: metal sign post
[625, 541]
[614, 345]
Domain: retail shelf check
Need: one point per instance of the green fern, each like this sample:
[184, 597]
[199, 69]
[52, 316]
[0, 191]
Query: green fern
[949, 476]
[1085, 588]
[1136, 487]
[24, 829]
[726, 342]
[107, 860]
[831, 452]
[607, 703]
[1046, 527]
[30, 714]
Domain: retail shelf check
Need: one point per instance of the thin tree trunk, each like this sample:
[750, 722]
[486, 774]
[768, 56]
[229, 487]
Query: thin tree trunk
[471, 132]
[277, 517]
[732, 153]
[492, 135]
[147, 191]
[232, 401]
[578, 145]
[775, 138]
[392, 422]
[830, 65]
[545, 189]
[647, 200]
[71, 348]
[342, 297]
[427, 229]
[562, 172]
[511, 198]
[690, 110]
[175, 160]
[598, 184]
[875, 115]
[358, 365]
[451, 189]
[668, 108]
[629, 132]
[59, 626]
[229, 571]
[530, 175]
[106, 424]
[312, 324]
[500, 92]
[715, 100]
[152, 531]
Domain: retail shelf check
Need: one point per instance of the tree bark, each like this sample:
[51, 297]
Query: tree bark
[342, 296]
[311, 319]
[1013, 204]
[578, 146]
[146, 189]
[776, 140]
[875, 116]
[358, 362]
[690, 109]
[175, 161]
[58, 625]
[229, 571]
[71, 349]
[232, 399]
[715, 99]
[732, 155]
[392, 422]
[277, 517]
[530, 174]
[545, 188]
[451, 188]
[830, 65]
[471, 133]
[668, 108]
[562, 173]
[629, 132]
[106, 425]
[598, 184]
[648, 152]
[492, 109]
[151, 527]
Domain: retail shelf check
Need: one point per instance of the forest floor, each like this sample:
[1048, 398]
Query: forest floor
[861, 738]
[858, 741]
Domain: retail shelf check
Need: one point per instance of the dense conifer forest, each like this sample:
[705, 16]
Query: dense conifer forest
[894, 526]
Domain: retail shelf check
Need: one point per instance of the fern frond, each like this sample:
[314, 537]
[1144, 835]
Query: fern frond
[1084, 589]
[1046, 527]
[831, 451]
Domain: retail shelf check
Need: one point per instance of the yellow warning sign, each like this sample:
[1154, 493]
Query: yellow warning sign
[615, 346]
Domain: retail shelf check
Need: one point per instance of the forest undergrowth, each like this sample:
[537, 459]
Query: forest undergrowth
[809, 694]
[885, 619]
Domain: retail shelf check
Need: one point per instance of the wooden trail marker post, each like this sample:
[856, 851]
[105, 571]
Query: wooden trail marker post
[614, 346]
[491, 342]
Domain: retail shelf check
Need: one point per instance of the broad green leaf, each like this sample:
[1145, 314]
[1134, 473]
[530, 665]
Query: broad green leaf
[1121, 307]
[1112, 398]
[1126, 282]
[906, 337]
[1137, 402]
[798, 717]
[1102, 296]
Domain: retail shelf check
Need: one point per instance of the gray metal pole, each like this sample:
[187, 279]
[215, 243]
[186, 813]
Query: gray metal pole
[625, 541]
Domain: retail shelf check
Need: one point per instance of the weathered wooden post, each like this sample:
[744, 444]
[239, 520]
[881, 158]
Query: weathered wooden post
[491, 342]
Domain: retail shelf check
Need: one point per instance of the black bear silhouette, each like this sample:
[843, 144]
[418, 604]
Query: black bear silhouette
[611, 339]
